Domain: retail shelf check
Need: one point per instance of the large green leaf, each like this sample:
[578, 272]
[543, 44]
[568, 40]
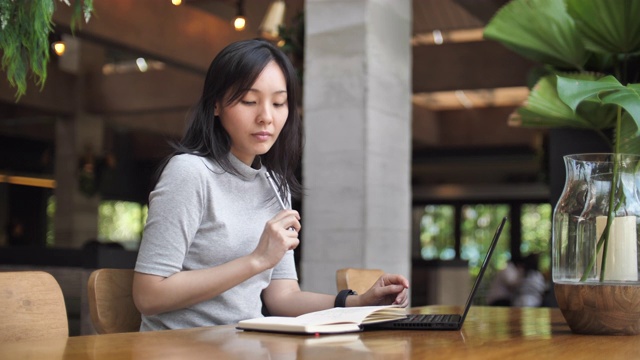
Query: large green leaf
[544, 108]
[574, 91]
[629, 99]
[599, 116]
[607, 26]
[629, 143]
[540, 30]
[607, 90]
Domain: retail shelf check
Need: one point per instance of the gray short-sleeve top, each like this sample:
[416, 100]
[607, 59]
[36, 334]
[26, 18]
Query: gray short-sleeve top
[201, 216]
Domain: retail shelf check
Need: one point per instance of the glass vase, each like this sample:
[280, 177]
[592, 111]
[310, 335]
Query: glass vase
[595, 244]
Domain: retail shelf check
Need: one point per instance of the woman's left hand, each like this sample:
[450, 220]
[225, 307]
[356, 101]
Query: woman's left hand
[389, 289]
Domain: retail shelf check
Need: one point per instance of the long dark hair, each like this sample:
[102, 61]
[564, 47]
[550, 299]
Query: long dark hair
[230, 74]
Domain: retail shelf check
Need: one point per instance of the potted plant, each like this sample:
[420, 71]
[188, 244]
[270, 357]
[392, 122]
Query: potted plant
[590, 55]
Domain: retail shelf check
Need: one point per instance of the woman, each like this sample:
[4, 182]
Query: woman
[217, 239]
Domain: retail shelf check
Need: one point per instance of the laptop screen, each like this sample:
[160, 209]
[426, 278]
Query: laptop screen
[483, 268]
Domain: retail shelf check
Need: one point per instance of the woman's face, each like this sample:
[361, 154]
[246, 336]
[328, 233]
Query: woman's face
[255, 121]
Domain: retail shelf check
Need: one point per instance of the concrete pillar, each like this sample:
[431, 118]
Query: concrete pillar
[357, 160]
[76, 218]
[78, 136]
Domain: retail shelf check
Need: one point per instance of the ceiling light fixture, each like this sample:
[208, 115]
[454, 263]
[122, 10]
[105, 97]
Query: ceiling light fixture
[129, 66]
[58, 47]
[463, 99]
[273, 19]
[176, 2]
[240, 21]
[142, 64]
[437, 37]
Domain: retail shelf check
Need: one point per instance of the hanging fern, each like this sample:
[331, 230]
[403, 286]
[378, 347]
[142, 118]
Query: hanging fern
[24, 38]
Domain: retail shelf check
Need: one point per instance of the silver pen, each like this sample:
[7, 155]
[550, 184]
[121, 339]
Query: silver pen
[275, 190]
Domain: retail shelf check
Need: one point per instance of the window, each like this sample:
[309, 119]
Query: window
[121, 222]
[464, 230]
[479, 224]
[437, 238]
[118, 221]
[536, 232]
[51, 212]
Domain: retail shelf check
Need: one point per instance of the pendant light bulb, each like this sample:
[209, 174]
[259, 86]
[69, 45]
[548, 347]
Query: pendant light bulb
[59, 47]
[240, 21]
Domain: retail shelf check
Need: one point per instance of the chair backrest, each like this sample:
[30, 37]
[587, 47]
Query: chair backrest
[111, 301]
[358, 280]
[31, 307]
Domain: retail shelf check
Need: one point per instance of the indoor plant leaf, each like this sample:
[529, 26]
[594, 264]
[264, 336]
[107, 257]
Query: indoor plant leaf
[540, 30]
[574, 91]
[628, 98]
[608, 90]
[629, 143]
[597, 115]
[544, 108]
[24, 38]
[607, 26]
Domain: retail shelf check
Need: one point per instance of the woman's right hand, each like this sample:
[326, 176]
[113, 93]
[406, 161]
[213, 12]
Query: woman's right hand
[280, 235]
[157, 294]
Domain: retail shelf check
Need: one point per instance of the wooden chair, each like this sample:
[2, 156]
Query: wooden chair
[31, 307]
[111, 301]
[358, 280]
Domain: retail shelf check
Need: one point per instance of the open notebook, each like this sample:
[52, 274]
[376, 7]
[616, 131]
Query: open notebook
[442, 321]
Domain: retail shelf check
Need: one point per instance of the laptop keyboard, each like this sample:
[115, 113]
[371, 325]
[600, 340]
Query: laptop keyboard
[426, 320]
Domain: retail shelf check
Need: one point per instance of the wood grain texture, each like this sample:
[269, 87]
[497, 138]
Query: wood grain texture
[488, 333]
[31, 307]
[600, 309]
[111, 301]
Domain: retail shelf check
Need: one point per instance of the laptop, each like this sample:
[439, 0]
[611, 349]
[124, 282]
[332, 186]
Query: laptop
[442, 321]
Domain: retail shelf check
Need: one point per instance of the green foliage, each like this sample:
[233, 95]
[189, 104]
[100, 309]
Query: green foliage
[540, 30]
[536, 227]
[607, 27]
[437, 237]
[590, 49]
[51, 213]
[118, 221]
[479, 222]
[583, 45]
[24, 41]
[121, 221]
[24, 38]
[545, 108]
[606, 90]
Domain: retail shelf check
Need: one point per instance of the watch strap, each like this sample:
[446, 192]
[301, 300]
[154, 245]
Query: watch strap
[341, 298]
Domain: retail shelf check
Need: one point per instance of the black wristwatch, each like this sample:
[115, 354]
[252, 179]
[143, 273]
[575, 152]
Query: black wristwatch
[341, 298]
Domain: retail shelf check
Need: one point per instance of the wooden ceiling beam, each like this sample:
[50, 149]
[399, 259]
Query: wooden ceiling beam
[182, 36]
[150, 92]
[471, 65]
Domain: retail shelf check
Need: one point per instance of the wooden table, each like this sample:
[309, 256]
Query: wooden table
[488, 333]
